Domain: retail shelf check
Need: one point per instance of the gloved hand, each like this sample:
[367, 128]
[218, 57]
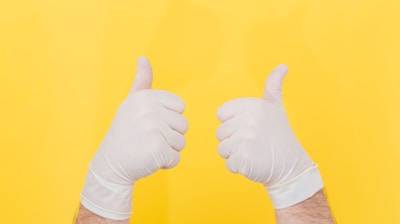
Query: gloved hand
[257, 141]
[146, 135]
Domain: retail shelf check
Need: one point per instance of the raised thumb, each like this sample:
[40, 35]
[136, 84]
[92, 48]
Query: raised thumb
[144, 75]
[273, 85]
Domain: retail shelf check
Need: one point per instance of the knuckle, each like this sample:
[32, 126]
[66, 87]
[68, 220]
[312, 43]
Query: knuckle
[181, 104]
[174, 160]
[231, 164]
[141, 94]
[219, 133]
[180, 143]
[222, 151]
[248, 133]
[149, 121]
[220, 114]
[149, 125]
[258, 104]
[185, 125]
[244, 155]
[157, 144]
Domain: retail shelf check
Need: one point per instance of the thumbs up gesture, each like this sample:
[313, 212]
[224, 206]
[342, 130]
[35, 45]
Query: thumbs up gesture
[257, 142]
[146, 135]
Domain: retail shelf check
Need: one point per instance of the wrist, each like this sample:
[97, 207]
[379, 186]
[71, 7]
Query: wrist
[107, 199]
[297, 189]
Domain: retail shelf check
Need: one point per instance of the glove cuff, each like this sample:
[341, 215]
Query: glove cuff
[296, 190]
[106, 199]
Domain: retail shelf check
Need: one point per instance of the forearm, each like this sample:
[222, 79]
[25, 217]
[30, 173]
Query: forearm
[87, 217]
[313, 210]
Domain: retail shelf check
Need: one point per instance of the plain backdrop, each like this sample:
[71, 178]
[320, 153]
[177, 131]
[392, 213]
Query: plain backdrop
[66, 65]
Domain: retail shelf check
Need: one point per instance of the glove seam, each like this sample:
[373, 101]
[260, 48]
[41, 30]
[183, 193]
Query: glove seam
[314, 166]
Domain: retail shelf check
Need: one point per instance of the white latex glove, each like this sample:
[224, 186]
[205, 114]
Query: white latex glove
[257, 141]
[146, 135]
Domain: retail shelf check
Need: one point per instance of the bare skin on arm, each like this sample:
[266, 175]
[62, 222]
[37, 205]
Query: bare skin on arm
[87, 217]
[314, 210]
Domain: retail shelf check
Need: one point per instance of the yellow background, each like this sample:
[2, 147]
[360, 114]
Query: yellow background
[66, 65]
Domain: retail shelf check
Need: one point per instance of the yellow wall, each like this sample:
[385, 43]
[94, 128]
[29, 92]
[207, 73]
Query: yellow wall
[66, 65]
